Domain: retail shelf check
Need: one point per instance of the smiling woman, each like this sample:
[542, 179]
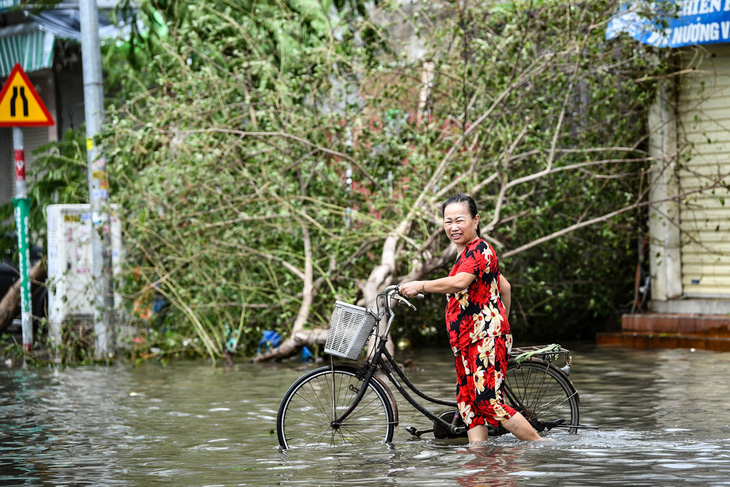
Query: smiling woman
[461, 220]
[476, 319]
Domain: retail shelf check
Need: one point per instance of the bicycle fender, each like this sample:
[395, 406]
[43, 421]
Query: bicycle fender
[570, 382]
[392, 398]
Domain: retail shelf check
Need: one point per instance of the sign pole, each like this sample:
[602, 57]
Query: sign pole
[20, 106]
[22, 209]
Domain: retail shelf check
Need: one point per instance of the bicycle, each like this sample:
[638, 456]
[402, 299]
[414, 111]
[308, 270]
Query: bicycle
[347, 403]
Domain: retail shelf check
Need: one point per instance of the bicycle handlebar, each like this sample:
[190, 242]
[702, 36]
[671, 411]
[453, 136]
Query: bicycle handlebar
[393, 291]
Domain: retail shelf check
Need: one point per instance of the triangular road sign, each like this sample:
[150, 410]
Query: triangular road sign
[20, 105]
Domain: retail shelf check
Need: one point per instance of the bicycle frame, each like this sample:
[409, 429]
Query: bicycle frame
[382, 359]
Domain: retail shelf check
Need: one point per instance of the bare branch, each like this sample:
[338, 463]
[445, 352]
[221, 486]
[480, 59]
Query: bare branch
[607, 216]
[285, 135]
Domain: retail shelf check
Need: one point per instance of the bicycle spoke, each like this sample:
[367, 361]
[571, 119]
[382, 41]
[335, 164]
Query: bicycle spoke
[318, 398]
[541, 394]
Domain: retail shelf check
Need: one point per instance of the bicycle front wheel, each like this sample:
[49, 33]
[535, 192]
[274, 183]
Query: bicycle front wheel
[311, 405]
[543, 394]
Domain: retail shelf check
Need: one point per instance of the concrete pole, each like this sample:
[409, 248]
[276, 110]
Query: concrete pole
[98, 180]
[665, 238]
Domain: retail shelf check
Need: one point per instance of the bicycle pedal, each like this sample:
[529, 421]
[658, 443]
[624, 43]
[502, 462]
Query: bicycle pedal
[415, 432]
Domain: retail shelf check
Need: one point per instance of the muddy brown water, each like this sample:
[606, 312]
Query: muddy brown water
[664, 418]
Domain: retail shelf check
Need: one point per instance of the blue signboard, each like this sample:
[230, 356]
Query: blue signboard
[673, 23]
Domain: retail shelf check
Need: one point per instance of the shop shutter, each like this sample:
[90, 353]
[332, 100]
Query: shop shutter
[704, 127]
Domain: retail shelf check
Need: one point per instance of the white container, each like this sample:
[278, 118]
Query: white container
[71, 291]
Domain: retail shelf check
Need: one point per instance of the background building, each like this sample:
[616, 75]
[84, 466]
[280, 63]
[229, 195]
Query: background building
[689, 222]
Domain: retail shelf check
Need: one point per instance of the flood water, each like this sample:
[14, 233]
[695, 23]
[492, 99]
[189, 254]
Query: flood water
[664, 418]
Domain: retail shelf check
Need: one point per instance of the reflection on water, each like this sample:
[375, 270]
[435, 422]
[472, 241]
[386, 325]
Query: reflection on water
[664, 418]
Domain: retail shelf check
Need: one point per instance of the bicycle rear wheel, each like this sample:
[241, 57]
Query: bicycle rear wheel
[316, 399]
[543, 394]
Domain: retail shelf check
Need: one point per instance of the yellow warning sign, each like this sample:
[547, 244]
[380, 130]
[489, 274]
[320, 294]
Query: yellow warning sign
[20, 105]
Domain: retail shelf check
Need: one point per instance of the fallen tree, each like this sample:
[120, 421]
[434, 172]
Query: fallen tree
[10, 303]
[257, 191]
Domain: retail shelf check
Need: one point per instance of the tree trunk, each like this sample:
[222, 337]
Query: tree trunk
[10, 304]
[308, 284]
[315, 336]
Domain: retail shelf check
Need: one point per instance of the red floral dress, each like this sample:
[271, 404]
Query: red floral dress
[480, 338]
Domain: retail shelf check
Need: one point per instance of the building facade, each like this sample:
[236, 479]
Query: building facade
[689, 216]
[690, 223]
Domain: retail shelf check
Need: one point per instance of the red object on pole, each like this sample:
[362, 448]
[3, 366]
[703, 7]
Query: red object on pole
[19, 165]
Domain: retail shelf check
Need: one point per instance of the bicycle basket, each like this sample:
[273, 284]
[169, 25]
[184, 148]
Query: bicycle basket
[350, 327]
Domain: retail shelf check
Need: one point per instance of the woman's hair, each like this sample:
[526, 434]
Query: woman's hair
[462, 198]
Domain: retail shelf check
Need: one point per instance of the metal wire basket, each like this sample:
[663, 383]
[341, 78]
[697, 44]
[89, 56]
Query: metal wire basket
[350, 327]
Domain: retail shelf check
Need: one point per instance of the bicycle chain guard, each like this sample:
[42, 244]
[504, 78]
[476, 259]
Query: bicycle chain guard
[439, 431]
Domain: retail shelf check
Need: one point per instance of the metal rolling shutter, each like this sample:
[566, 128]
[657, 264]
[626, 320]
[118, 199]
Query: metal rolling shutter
[7, 169]
[704, 121]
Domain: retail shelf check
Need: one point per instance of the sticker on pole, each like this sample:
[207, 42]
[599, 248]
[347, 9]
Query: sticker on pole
[20, 105]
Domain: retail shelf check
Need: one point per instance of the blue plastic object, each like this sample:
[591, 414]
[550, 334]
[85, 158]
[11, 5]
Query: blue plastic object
[307, 355]
[270, 340]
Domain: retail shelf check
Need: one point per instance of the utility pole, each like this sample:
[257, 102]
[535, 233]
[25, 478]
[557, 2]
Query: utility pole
[98, 180]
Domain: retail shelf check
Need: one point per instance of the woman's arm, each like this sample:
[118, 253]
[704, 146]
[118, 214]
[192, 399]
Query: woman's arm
[444, 285]
[506, 291]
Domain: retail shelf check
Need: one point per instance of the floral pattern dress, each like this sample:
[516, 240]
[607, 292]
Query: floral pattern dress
[480, 338]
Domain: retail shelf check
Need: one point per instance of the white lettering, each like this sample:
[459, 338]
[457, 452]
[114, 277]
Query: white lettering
[677, 36]
[687, 7]
[725, 29]
[708, 32]
[654, 39]
[684, 8]
[701, 7]
[727, 5]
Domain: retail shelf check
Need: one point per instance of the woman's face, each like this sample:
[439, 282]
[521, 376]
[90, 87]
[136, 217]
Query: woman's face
[459, 225]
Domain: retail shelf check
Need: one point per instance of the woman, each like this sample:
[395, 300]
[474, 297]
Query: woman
[478, 300]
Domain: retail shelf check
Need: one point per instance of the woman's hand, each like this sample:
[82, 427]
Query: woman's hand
[411, 289]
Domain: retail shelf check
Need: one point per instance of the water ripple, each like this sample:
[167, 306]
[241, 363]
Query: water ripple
[663, 421]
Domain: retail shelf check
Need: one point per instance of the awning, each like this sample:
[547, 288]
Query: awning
[31, 43]
[66, 23]
[26, 44]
